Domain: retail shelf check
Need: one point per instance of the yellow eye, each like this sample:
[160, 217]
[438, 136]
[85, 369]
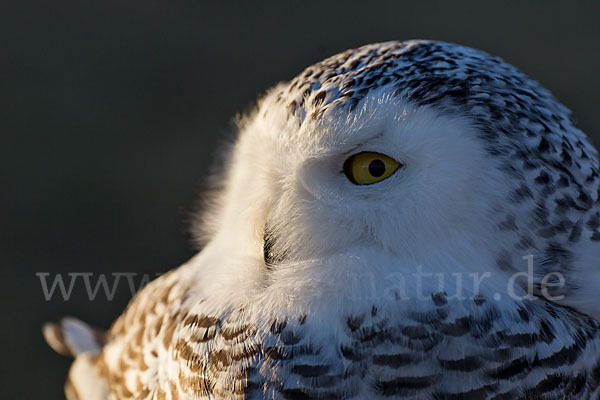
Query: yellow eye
[366, 168]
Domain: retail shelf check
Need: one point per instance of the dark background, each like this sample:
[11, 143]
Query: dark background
[111, 112]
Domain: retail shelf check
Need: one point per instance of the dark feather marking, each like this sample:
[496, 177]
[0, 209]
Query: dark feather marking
[416, 332]
[394, 360]
[565, 356]
[466, 364]
[515, 367]
[310, 370]
[400, 385]
[354, 322]
[457, 328]
[201, 321]
[439, 299]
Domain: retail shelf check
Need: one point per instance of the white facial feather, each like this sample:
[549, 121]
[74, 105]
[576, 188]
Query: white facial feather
[436, 212]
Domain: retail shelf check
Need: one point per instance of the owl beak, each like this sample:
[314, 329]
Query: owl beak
[270, 253]
[268, 247]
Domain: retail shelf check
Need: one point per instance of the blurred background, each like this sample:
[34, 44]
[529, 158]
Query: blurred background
[112, 111]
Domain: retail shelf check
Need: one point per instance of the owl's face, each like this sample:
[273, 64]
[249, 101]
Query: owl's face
[389, 181]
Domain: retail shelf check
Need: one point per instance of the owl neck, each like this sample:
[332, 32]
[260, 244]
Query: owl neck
[365, 274]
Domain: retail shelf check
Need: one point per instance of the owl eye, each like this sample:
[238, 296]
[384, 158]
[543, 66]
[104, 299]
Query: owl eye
[366, 168]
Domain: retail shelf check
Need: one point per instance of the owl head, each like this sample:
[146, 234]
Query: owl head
[401, 155]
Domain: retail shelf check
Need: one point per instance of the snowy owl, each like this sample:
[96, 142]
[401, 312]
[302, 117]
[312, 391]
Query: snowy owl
[408, 219]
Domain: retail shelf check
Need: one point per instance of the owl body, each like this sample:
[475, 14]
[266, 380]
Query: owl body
[369, 348]
[403, 220]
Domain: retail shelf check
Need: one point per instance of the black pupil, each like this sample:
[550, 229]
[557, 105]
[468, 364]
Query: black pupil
[376, 168]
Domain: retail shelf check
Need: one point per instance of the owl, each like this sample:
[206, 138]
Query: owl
[410, 219]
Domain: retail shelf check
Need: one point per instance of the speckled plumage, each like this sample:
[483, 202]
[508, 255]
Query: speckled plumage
[325, 317]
